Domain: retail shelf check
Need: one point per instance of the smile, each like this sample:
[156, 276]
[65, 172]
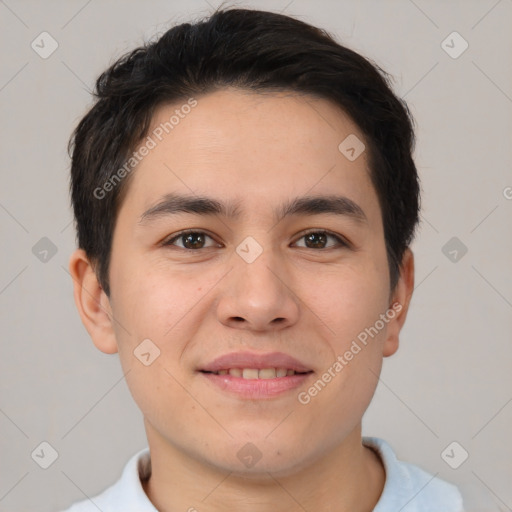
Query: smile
[255, 373]
[251, 375]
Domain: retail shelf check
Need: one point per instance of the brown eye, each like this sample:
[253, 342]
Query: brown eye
[191, 240]
[319, 240]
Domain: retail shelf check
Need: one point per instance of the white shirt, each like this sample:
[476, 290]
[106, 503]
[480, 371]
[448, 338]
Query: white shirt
[407, 488]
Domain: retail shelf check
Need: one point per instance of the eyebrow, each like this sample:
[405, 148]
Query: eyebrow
[172, 204]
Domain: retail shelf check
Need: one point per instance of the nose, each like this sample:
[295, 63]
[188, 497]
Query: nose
[258, 296]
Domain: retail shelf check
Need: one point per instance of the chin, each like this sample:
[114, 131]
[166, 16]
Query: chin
[256, 459]
[276, 466]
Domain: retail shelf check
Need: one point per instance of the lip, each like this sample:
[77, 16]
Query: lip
[256, 388]
[258, 361]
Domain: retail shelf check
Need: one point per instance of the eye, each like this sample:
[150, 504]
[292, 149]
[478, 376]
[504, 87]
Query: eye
[191, 240]
[196, 240]
[318, 240]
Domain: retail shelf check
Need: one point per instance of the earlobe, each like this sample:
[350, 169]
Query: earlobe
[400, 303]
[92, 303]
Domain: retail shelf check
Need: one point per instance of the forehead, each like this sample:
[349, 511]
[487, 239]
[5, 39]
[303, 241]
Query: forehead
[257, 148]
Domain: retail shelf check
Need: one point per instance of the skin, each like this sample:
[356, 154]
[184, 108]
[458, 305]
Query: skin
[261, 149]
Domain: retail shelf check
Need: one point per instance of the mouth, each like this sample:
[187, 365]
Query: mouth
[255, 373]
[256, 376]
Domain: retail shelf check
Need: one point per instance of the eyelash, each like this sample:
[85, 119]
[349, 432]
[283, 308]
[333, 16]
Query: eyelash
[170, 241]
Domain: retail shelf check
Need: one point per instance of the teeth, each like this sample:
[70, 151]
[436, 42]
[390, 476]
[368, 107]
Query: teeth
[254, 373]
[267, 373]
[250, 373]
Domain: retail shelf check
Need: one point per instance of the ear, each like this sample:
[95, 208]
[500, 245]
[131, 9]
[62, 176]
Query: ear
[92, 303]
[400, 301]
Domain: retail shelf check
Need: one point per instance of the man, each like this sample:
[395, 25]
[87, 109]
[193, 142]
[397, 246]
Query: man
[245, 198]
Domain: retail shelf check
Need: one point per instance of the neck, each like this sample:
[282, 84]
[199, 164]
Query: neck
[348, 478]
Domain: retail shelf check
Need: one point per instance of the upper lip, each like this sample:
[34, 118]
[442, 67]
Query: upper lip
[257, 361]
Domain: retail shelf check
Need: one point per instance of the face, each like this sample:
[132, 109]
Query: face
[288, 272]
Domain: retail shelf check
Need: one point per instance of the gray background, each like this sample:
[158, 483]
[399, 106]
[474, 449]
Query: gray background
[450, 380]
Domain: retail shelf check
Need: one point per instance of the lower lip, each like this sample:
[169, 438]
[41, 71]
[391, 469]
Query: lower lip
[257, 388]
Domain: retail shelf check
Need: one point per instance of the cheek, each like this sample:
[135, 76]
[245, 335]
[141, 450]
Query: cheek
[151, 301]
[354, 314]
[349, 302]
[158, 392]
[154, 308]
